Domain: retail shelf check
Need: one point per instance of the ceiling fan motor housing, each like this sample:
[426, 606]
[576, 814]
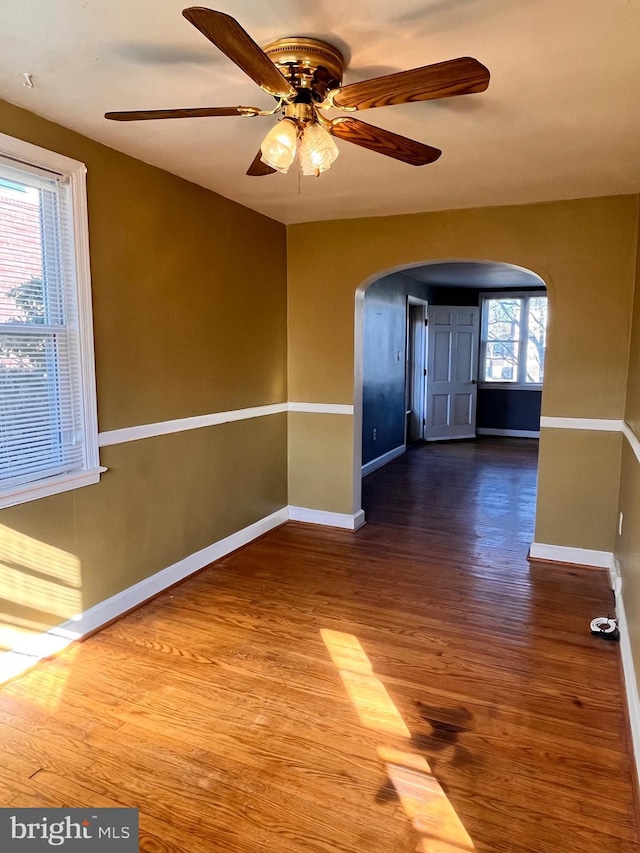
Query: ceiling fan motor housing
[309, 64]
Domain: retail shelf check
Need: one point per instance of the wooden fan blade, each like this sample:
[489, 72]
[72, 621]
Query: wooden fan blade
[227, 35]
[384, 142]
[462, 76]
[197, 112]
[258, 169]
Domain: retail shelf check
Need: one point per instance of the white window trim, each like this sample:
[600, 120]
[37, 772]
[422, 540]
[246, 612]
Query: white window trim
[76, 173]
[504, 386]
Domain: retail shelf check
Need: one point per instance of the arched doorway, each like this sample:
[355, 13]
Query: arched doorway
[508, 300]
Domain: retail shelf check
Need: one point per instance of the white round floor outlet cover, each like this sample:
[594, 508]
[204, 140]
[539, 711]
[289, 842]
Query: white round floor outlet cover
[603, 625]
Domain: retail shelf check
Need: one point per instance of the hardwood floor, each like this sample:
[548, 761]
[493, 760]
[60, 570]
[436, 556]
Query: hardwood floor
[337, 693]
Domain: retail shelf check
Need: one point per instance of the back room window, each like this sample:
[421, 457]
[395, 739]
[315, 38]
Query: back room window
[514, 339]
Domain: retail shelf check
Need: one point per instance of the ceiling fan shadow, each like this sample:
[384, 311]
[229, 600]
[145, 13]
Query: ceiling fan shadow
[330, 38]
[141, 53]
[461, 106]
[452, 12]
[314, 20]
[367, 72]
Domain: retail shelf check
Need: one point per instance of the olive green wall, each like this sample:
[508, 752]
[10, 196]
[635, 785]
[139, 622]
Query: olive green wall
[188, 317]
[585, 252]
[627, 549]
[632, 411]
[578, 482]
[188, 320]
[161, 500]
[319, 440]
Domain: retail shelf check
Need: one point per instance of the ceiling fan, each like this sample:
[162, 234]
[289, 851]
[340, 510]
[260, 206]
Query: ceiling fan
[304, 75]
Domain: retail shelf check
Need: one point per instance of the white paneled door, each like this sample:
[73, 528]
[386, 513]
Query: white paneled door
[452, 372]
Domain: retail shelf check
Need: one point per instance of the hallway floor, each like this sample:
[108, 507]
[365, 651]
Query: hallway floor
[415, 686]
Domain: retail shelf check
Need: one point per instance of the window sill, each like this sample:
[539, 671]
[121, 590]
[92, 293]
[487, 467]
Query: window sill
[509, 386]
[50, 486]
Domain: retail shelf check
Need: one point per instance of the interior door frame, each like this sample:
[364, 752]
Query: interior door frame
[415, 368]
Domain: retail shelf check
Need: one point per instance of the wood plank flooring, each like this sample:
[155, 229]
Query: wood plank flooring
[287, 698]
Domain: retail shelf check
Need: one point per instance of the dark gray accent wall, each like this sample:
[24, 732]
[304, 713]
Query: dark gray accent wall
[462, 296]
[441, 295]
[500, 408]
[384, 337]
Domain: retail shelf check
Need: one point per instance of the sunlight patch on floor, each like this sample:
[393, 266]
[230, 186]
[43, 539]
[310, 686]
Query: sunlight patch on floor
[421, 795]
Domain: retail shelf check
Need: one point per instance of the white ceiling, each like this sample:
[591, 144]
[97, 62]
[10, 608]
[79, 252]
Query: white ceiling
[561, 117]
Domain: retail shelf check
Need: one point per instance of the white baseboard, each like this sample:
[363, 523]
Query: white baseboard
[605, 559]
[511, 433]
[328, 519]
[630, 682]
[372, 466]
[26, 655]
[615, 576]
[578, 556]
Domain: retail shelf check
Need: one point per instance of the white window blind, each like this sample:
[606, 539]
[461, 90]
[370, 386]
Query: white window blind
[43, 413]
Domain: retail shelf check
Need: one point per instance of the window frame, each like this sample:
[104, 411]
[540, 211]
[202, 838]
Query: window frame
[505, 384]
[74, 172]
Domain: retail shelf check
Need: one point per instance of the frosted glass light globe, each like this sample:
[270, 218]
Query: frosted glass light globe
[317, 150]
[279, 145]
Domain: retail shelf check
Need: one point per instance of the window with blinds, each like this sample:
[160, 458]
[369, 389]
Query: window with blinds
[47, 429]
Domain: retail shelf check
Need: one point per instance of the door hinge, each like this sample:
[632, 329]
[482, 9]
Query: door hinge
[426, 321]
[425, 371]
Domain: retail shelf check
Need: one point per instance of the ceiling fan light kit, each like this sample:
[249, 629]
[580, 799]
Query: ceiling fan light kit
[317, 150]
[279, 145]
[305, 77]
